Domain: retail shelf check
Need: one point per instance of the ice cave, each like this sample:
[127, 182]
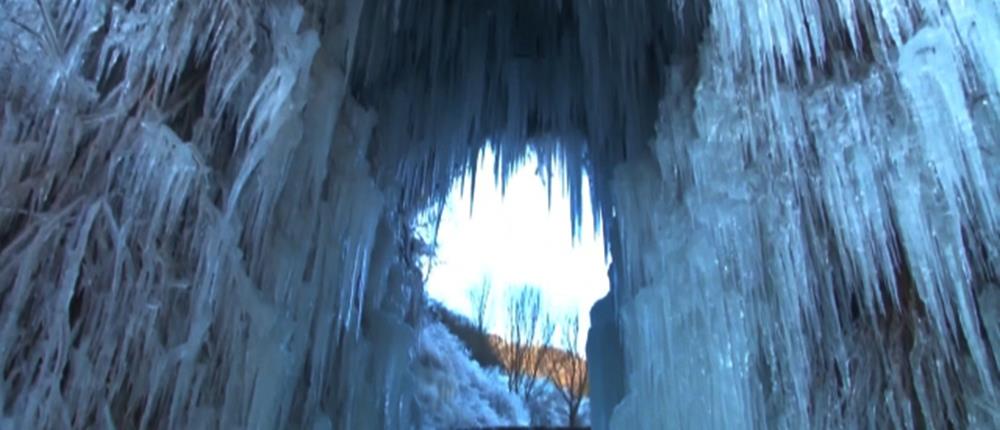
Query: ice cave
[205, 205]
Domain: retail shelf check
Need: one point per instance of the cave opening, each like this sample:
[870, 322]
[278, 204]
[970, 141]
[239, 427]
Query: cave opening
[511, 232]
[447, 77]
[513, 279]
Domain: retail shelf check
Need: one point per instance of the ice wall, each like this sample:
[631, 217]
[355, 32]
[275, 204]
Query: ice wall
[813, 242]
[190, 235]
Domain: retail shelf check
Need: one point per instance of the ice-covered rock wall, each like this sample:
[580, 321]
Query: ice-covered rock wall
[813, 242]
[190, 234]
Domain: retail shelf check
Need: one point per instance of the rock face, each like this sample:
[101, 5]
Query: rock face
[606, 362]
[205, 206]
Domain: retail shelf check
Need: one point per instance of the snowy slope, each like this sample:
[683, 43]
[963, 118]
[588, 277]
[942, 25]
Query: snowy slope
[452, 391]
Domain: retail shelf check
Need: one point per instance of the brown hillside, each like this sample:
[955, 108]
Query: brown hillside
[554, 355]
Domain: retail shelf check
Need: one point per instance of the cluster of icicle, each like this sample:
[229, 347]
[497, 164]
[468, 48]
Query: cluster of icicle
[571, 80]
[189, 234]
[814, 242]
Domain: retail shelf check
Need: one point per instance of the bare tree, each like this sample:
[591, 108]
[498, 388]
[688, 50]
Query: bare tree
[569, 370]
[480, 299]
[529, 341]
[421, 239]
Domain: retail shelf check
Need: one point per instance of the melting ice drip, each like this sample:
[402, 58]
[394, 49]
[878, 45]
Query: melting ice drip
[203, 205]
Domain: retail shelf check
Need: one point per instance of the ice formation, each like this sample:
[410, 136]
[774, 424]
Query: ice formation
[204, 204]
[190, 236]
[813, 241]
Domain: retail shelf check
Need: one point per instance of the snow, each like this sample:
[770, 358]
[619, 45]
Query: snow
[452, 391]
[548, 408]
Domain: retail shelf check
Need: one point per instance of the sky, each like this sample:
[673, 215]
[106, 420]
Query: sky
[515, 240]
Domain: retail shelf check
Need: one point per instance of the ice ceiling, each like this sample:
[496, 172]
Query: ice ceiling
[205, 205]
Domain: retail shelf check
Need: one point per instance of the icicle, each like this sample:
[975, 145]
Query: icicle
[843, 219]
[187, 152]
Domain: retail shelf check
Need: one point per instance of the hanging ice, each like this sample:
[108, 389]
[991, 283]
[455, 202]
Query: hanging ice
[824, 196]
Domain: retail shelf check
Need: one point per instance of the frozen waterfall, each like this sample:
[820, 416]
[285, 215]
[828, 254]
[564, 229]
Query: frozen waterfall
[206, 206]
[813, 241]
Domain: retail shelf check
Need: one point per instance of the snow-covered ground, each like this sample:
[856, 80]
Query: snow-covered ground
[454, 391]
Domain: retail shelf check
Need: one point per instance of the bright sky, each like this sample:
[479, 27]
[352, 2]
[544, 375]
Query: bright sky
[516, 240]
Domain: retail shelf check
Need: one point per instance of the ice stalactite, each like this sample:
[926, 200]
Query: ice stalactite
[189, 224]
[555, 76]
[814, 241]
